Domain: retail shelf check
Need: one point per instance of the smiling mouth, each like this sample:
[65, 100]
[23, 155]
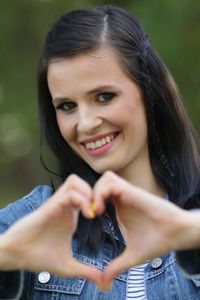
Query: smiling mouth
[101, 142]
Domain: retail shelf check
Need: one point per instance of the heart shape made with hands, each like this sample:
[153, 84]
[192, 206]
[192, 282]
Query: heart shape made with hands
[139, 214]
[47, 233]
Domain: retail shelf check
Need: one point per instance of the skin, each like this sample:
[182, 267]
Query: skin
[162, 225]
[81, 89]
[93, 98]
[46, 235]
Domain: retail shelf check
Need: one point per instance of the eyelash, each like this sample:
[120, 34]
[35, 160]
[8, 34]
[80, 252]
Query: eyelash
[65, 106]
[107, 97]
[110, 95]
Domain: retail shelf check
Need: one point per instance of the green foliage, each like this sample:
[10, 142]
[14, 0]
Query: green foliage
[173, 25]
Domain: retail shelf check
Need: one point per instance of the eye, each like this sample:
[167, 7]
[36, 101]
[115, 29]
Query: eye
[66, 106]
[105, 97]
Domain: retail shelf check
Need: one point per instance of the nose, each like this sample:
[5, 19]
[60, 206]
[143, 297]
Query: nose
[88, 120]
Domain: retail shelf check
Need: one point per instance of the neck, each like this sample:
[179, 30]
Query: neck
[141, 175]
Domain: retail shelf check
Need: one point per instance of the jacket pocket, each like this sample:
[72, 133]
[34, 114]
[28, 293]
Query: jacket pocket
[58, 288]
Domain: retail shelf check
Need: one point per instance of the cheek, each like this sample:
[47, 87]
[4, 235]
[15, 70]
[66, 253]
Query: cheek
[134, 121]
[130, 113]
[65, 127]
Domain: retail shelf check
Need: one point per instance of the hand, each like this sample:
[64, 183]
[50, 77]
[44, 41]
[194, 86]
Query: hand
[150, 225]
[42, 240]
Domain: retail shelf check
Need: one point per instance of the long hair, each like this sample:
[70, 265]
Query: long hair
[173, 147]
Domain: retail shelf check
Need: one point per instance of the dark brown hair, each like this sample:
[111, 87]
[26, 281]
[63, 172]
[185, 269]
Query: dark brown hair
[173, 147]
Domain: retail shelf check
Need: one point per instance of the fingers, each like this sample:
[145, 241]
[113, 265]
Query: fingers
[103, 190]
[120, 191]
[76, 193]
[77, 201]
[108, 186]
[117, 266]
[92, 202]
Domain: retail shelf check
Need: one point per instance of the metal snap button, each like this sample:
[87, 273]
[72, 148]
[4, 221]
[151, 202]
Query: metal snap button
[156, 262]
[44, 277]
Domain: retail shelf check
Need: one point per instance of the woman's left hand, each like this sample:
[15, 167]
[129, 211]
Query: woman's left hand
[151, 226]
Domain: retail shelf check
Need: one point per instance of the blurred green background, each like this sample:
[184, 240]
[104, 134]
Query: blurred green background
[173, 25]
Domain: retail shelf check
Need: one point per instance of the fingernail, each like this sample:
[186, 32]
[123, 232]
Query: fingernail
[92, 210]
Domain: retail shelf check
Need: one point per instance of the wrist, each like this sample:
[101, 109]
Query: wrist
[8, 258]
[189, 236]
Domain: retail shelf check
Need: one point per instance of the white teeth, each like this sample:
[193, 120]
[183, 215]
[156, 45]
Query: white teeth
[103, 141]
[100, 143]
[92, 145]
[108, 139]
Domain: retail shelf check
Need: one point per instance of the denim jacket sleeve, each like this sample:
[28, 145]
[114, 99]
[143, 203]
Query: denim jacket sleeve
[11, 283]
[14, 211]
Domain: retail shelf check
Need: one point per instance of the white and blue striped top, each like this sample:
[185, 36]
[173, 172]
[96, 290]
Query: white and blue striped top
[136, 284]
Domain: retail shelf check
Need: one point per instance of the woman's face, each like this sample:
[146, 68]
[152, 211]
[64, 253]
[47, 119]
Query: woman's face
[100, 111]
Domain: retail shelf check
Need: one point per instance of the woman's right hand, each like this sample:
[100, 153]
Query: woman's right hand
[42, 240]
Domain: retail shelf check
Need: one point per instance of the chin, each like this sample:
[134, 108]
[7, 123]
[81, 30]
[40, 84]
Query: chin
[102, 169]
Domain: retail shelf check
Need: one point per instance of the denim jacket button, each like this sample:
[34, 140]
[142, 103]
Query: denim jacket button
[156, 262]
[44, 277]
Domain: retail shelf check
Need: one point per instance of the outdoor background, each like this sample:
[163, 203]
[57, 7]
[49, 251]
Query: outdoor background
[173, 25]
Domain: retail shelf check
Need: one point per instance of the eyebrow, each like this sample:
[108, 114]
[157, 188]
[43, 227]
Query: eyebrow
[98, 89]
[102, 88]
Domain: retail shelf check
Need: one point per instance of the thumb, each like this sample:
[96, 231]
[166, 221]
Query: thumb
[117, 266]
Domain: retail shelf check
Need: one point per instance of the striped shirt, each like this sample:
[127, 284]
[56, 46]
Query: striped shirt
[136, 284]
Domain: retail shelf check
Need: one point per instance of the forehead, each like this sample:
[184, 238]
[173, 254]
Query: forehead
[85, 71]
[102, 60]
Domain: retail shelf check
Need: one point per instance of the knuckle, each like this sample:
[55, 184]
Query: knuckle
[72, 181]
[72, 178]
[110, 175]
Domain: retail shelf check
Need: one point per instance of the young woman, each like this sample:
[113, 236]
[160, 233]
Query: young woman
[26, 244]
[108, 102]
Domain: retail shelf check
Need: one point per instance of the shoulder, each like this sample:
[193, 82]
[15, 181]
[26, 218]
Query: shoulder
[27, 204]
[37, 196]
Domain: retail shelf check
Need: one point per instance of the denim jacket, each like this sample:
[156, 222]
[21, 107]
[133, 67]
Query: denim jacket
[163, 278]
